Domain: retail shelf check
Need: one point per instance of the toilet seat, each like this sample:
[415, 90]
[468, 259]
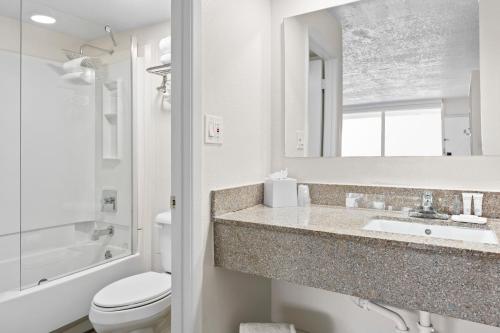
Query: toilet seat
[129, 319]
[137, 302]
[133, 292]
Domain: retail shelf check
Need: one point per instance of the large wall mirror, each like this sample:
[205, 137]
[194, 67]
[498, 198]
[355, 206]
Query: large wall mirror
[393, 78]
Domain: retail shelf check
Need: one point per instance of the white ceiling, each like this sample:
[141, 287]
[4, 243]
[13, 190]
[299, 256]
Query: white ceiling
[86, 18]
[408, 49]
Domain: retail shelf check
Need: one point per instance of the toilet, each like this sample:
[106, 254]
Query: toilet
[138, 303]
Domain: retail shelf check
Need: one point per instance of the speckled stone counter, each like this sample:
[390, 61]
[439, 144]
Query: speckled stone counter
[326, 247]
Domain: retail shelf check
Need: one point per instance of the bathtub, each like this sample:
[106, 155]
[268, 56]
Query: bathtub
[58, 284]
[40, 267]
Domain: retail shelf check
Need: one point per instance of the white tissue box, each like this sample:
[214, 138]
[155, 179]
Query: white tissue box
[280, 192]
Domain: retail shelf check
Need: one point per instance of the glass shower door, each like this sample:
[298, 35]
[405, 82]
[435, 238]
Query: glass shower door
[10, 62]
[76, 143]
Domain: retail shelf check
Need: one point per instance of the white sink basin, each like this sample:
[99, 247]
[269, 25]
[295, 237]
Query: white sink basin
[437, 231]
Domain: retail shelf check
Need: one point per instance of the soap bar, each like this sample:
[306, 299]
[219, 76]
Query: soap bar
[280, 192]
[469, 219]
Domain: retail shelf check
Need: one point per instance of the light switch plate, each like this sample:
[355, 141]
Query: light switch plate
[214, 129]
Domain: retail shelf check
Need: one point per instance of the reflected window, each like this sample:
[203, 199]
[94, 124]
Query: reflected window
[362, 134]
[413, 133]
[404, 132]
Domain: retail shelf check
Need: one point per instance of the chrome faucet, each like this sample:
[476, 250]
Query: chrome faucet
[426, 210]
[98, 233]
[427, 200]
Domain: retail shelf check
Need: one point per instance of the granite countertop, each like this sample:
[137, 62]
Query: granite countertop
[345, 222]
[326, 247]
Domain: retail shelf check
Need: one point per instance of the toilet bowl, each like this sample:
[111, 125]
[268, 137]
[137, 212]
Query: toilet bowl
[139, 303]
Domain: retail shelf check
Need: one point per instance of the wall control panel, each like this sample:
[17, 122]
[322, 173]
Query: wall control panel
[214, 129]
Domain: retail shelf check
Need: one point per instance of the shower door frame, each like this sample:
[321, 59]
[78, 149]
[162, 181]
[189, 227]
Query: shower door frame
[187, 250]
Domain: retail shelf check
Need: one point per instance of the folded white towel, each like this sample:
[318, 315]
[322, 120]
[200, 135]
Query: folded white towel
[166, 59]
[85, 77]
[266, 328]
[74, 65]
[165, 45]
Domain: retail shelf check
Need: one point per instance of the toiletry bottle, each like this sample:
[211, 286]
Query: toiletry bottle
[478, 204]
[304, 198]
[467, 198]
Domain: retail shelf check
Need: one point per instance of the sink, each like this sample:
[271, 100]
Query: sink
[437, 231]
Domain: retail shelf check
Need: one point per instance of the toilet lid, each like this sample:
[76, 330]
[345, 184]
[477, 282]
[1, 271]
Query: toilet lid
[133, 290]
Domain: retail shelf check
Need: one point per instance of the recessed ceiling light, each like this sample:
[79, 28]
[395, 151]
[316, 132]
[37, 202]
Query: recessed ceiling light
[44, 19]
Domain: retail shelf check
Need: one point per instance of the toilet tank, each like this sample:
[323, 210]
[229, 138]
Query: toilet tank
[164, 221]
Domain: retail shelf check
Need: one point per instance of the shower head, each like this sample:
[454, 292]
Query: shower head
[107, 28]
[88, 62]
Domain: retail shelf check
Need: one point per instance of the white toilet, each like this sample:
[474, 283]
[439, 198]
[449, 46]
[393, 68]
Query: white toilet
[139, 303]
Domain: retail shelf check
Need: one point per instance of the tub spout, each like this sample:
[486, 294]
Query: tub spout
[98, 233]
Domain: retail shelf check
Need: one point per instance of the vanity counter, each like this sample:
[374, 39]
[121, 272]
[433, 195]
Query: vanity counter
[330, 221]
[326, 247]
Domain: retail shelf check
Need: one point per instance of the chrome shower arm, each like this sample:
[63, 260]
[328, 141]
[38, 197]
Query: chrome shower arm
[83, 46]
[107, 28]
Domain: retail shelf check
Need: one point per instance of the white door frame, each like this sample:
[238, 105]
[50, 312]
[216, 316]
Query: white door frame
[186, 166]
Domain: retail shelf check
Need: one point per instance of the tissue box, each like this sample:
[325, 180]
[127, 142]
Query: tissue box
[280, 192]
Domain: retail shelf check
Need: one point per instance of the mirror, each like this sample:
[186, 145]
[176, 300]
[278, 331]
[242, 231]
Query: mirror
[393, 78]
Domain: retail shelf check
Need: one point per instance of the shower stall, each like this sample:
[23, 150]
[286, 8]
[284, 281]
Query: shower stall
[66, 129]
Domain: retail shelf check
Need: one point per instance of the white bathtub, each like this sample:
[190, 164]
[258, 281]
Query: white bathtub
[56, 263]
[65, 297]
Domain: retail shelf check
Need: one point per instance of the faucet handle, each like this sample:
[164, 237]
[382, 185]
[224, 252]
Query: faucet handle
[109, 201]
[427, 199]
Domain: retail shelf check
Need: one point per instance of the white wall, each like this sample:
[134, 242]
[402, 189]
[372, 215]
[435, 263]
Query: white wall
[321, 311]
[115, 174]
[57, 133]
[9, 132]
[156, 140]
[153, 131]
[37, 40]
[235, 85]
[57, 147]
[456, 106]
[159, 129]
[42, 55]
[9, 142]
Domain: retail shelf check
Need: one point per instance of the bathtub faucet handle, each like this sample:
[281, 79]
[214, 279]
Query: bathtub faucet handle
[98, 233]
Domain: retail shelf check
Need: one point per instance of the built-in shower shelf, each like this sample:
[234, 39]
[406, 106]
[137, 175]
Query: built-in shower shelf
[112, 105]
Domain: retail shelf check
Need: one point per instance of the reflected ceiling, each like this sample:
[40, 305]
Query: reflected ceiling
[408, 49]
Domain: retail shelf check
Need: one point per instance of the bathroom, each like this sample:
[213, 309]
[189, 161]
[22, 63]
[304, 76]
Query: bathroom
[203, 144]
